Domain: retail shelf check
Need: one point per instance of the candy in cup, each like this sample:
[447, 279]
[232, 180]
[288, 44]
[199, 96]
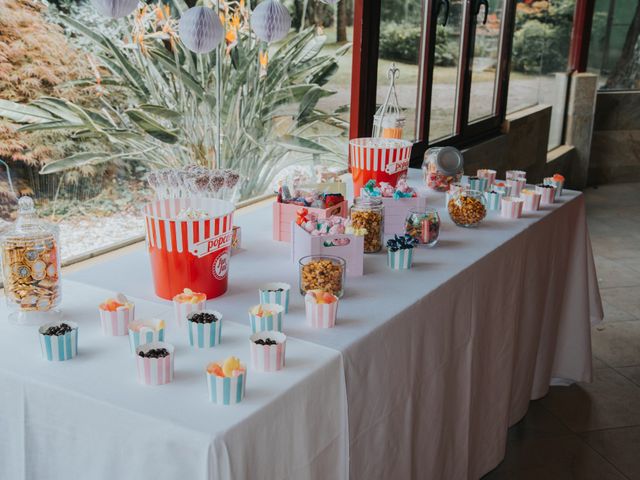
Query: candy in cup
[226, 381]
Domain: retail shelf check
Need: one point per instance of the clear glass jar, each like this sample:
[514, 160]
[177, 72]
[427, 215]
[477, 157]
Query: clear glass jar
[322, 272]
[441, 167]
[423, 225]
[31, 267]
[467, 208]
[368, 213]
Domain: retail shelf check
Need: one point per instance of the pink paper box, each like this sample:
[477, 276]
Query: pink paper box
[304, 244]
[395, 213]
[285, 213]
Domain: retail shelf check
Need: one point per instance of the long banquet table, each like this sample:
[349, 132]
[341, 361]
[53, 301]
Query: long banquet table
[436, 362]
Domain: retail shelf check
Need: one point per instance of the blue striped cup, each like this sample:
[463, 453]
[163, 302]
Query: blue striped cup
[58, 348]
[400, 259]
[271, 321]
[142, 332]
[205, 335]
[276, 293]
[477, 183]
[493, 199]
[226, 390]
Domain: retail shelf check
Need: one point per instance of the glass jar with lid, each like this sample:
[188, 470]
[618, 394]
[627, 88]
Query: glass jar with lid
[368, 213]
[441, 167]
[31, 267]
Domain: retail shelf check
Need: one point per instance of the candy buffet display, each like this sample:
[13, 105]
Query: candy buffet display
[277, 293]
[531, 200]
[388, 121]
[154, 362]
[31, 267]
[59, 341]
[186, 302]
[400, 252]
[322, 272]
[204, 328]
[226, 381]
[142, 332]
[267, 316]
[379, 159]
[547, 193]
[511, 207]
[423, 225]
[441, 167]
[115, 315]
[267, 351]
[368, 213]
[467, 208]
[557, 181]
[321, 308]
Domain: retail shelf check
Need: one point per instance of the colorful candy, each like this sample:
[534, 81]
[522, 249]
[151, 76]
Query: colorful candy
[231, 367]
[188, 296]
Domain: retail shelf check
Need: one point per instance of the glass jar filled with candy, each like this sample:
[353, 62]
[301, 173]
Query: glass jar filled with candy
[322, 272]
[423, 225]
[31, 267]
[441, 167]
[368, 213]
[467, 208]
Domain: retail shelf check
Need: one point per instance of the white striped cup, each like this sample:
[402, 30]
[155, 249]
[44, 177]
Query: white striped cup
[547, 194]
[205, 335]
[266, 322]
[145, 331]
[487, 173]
[493, 199]
[511, 207]
[58, 348]
[155, 371]
[516, 184]
[277, 293]
[268, 358]
[320, 315]
[116, 323]
[226, 390]
[531, 200]
[182, 309]
[400, 259]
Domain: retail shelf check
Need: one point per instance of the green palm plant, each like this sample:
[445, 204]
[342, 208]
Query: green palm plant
[268, 118]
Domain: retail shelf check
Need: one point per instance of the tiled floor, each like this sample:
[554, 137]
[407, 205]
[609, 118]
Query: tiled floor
[592, 431]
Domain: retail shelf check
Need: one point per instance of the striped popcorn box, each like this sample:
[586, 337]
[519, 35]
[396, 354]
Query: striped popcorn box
[321, 315]
[204, 334]
[493, 199]
[531, 200]
[276, 293]
[502, 187]
[555, 181]
[57, 348]
[226, 390]
[516, 184]
[379, 159]
[400, 259]
[266, 317]
[142, 332]
[186, 303]
[516, 175]
[155, 371]
[115, 316]
[511, 207]
[267, 358]
[547, 193]
[489, 174]
[478, 183]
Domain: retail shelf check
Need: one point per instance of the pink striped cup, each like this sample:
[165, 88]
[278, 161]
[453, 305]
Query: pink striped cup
[182, 310]
[547, 194]
[320, 315]
[511, 207]
[516, 184]
[155, 371]
[268, 358]
[487, 173]
[531, 200]
[116, 323]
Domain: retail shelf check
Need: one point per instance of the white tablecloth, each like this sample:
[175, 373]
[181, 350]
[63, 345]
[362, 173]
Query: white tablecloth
[88, 418]
[439, 361]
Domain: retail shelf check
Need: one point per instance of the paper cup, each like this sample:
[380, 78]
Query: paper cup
[400, 260]
[490, 175]
[321, 315]
[516, 175]
[493, 199]
[511, 207]
[155, 371]
[531, 200]
[182, 310]
[142, 332]
[453, 189]
[205, 335]
[58, 348]
[502, 187]
[226, 390]
[547, 194]
[268, 294]
[559, 184]
[116, 323]
[267, 322]
[477, 183]
[268, 358]
[516, 186]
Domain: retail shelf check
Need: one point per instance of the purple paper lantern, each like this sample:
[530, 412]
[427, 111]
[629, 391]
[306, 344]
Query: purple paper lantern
[115, 8]
[200, 29]
[270, 21]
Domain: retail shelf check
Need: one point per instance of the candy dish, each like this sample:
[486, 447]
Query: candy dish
[154, 362]
[115, 315]
[321, 308]
[277, 293]
[267, 351]
[142, 332]
[423, 225]
[205, 328]
[226, 381]
[59, 341]
[187, 302]
[266, 317]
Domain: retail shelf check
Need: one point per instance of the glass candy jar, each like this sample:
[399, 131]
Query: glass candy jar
[368, 213]
[31, 267]
[467, 208]
[322, 272]
[441, 167]
[423, 225]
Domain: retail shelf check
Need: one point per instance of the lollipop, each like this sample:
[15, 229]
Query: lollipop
[216, 183]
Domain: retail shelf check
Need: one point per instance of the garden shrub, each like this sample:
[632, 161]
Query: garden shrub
[401, 42]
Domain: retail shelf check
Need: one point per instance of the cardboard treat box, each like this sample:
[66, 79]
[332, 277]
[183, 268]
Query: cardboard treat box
[304, 244]
[395, 213]
[285, 213]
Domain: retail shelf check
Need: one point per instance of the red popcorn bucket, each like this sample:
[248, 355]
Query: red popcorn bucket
[379, 159]
[189, 253]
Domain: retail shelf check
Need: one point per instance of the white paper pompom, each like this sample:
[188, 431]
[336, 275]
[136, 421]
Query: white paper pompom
[115, 8]
[200, 29]
[270, 21]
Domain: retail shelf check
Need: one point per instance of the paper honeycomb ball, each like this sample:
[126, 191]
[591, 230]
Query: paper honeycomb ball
[270, 21]
[200, 29]
[115, 8]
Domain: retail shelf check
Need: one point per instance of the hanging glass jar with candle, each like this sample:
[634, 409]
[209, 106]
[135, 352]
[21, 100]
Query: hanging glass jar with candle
[388, 121]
